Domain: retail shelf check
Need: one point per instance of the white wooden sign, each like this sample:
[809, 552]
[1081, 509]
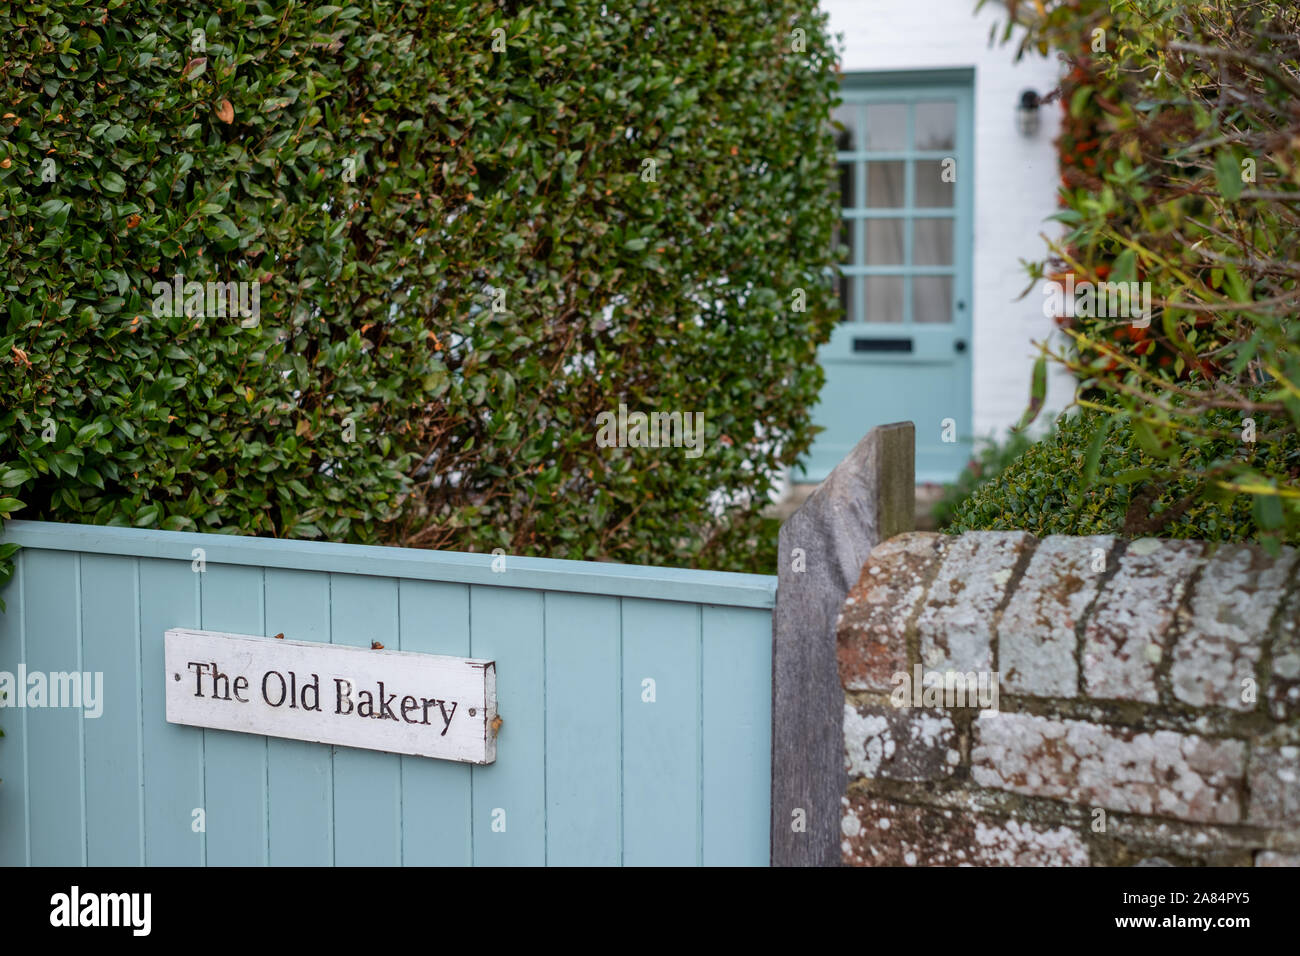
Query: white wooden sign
[422, 704]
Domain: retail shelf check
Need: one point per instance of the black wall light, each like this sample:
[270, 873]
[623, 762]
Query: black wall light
[1027, 113]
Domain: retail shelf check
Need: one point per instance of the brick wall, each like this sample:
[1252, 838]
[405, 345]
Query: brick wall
[1140, 703]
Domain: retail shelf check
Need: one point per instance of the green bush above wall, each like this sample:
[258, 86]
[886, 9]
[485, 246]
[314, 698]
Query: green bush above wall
[466, 229]
[1044, 490]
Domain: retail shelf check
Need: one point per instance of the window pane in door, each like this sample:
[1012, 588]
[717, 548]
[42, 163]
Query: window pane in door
[846, 139]
[883, 299]
[936, 125]
[932, 242]
[931, 190]
[886, 126]
[847, 296]
[848, 198]
[843, 236]
[932, 299]
[885, 185]
[884, 242]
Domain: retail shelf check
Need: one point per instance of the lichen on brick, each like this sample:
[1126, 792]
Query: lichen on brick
[898, 744]
[1128, 631]
[1284, 681]
[1161, 773]
[955, 624]
[1275, 786]
[1037, 639]
[1228, 615]
[886, 833]
[1271, 858]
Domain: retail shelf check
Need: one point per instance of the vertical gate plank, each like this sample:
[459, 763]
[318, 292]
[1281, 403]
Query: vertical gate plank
[234, 772]
[737, 735]
[583, 725]
[436, 797]
[14, 834]
[110, 636]
[173, 755]
[299, 774]
[506, 626]
[367, 783]
[661, 740]
[54, 734]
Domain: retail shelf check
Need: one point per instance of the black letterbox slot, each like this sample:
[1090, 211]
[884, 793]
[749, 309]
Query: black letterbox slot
[882, 345]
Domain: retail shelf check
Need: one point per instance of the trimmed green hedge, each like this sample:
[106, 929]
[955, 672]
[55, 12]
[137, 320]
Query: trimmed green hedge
[464, 255]
[989, 461]
[1045, 490]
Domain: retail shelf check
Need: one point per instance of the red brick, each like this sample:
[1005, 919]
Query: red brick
[1284, 681]
[899, 743]
[880, 832]
[871, 638]
[1275, 786]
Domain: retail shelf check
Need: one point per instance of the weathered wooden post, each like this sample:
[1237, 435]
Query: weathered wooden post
[868, 497]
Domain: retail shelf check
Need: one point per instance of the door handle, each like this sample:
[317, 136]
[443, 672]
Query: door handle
[959, 345]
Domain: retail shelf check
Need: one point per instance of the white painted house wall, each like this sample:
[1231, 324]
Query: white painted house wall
[1015, 179]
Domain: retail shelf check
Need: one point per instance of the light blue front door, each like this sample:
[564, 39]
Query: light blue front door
[902, 350]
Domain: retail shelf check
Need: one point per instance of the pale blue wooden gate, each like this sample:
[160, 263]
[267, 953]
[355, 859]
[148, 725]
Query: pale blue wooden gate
[588, 771]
